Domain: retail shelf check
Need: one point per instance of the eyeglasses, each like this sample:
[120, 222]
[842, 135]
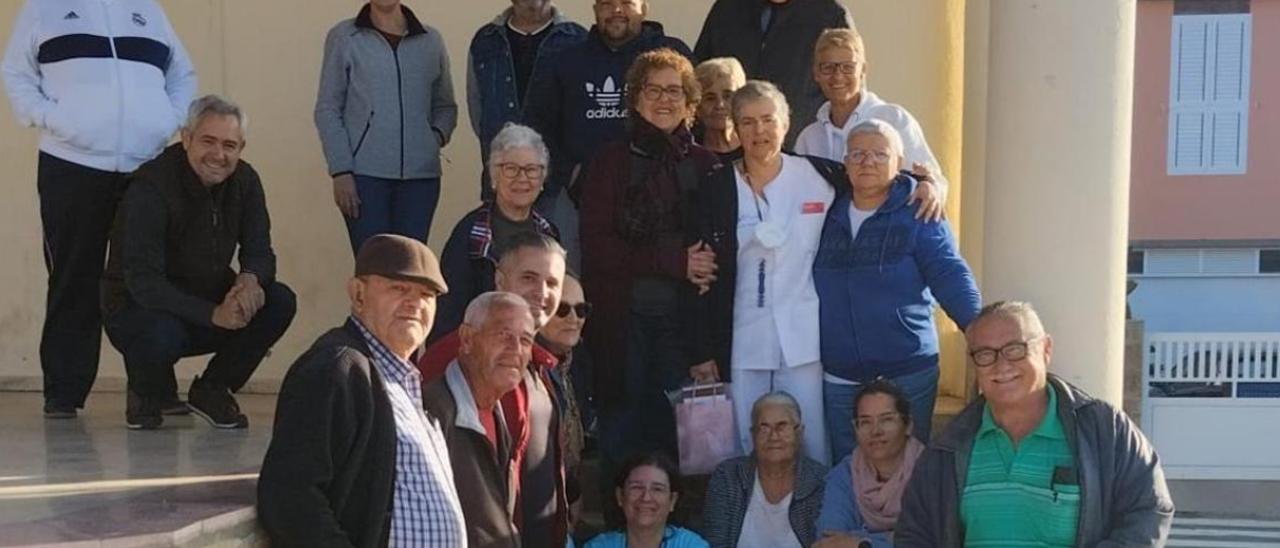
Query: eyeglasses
[653, 93]
[1012, 352]
[884, 422]
[781, 429]
[637, 491]
[829, 69]
[582, 309]
[531, 171]
[877, 157]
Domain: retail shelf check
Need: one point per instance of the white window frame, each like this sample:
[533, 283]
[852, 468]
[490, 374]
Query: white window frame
[1210, 105]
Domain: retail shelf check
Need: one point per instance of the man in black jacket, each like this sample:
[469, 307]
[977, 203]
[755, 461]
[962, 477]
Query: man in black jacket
[1035, 461]
[354, 460]
[169, 290]
[774, 41]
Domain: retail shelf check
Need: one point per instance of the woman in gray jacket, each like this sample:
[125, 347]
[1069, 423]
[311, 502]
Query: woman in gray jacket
[771, 498]
[384, 110]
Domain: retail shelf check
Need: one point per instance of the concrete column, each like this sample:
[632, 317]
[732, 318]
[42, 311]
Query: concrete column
[926, 75]
[1055, 226]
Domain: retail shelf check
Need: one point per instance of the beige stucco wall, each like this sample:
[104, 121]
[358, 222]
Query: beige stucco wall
[266, 55]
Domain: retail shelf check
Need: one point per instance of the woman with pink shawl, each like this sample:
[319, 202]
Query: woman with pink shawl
[864, 491]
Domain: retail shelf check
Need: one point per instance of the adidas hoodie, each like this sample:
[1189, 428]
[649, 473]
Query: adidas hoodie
[106, 81]
[582, 105]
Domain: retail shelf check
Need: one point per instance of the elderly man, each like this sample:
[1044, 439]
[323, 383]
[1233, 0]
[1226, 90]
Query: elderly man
[352, 443]
[774, 41]
[107, 84]
[532, 267]
[518, 47]
[169, 290]
[497, 339]
[579, 105]
[1035, 461]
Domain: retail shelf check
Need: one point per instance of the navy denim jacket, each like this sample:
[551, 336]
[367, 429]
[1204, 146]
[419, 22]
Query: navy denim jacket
[492, 99]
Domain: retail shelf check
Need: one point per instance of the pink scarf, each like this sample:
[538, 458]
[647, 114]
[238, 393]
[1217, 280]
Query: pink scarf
[881, 501]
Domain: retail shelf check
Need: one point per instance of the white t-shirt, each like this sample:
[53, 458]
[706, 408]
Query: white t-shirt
[767, 525]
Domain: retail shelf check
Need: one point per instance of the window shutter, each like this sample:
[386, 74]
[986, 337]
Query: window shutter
[1209, 94]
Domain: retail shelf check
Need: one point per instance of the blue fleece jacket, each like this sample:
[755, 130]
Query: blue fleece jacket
[876, 292]
[582, 104]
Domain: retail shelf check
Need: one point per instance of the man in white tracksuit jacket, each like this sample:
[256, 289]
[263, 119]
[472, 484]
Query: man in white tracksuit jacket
[107, 83]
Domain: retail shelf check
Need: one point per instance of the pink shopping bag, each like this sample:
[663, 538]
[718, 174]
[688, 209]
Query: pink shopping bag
[704, 426]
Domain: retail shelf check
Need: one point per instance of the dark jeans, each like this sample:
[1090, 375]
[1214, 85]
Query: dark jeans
[152, 341]
[644, 420]
[403, 207]
[77, 207]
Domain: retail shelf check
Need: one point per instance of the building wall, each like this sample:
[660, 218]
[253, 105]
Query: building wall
[266, 55]
[1207, 304]
[1196, 207]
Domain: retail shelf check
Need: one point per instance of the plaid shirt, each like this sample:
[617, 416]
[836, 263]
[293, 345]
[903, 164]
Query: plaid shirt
[425, 510]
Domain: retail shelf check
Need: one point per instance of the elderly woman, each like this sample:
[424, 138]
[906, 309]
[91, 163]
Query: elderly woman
[647, 488]
[518, 165]
[877, 272]
[840, 68]
[561, 336]
[719, 78]
[636, 205]
[771, 498]
[756, 321]
[863, 493]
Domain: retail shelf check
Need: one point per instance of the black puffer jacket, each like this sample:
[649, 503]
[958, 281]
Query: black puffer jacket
[173, 239]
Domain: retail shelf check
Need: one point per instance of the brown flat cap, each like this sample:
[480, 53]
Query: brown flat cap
[401, 258]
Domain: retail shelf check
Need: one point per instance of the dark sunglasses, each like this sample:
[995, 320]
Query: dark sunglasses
[581, 309]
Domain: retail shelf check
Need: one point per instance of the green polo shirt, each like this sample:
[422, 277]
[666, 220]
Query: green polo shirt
[1011, 495]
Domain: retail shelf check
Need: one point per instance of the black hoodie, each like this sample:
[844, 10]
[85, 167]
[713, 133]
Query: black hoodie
[582, 105]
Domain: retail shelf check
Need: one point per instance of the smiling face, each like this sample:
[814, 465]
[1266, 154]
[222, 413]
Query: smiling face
[537, 275]
[495, 354]
[761, 128]
[566, 331]
[213, 147]
[829, 69]
[881, 431]
[517, 178]
[1010, 383]
[398, 313]
[646, 498]
[863, 160]
[661, 102]
[618, 21]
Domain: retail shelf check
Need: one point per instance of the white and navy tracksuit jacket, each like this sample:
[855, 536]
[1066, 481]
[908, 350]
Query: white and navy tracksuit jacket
[106, 81]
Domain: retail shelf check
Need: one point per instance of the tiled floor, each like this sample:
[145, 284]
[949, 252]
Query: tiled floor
[92, 478]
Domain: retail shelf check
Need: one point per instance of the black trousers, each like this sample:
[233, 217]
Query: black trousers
[153, 341]
[77, 208]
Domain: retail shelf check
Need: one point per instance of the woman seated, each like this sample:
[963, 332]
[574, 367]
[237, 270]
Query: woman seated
[771, 498]
[877, 272]
[518, 166]
[647, 487]
[864, 491]
[719, 78]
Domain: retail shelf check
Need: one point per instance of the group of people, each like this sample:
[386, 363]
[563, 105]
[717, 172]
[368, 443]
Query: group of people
[759, 219]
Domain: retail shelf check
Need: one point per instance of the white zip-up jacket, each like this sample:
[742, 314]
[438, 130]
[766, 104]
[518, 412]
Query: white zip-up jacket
[824, 140]
[106, 81]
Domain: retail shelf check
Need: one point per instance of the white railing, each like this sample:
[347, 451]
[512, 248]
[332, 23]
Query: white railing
[1212, 357]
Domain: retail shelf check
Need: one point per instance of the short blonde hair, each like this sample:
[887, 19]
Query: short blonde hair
[840, 38]
[728, 68]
